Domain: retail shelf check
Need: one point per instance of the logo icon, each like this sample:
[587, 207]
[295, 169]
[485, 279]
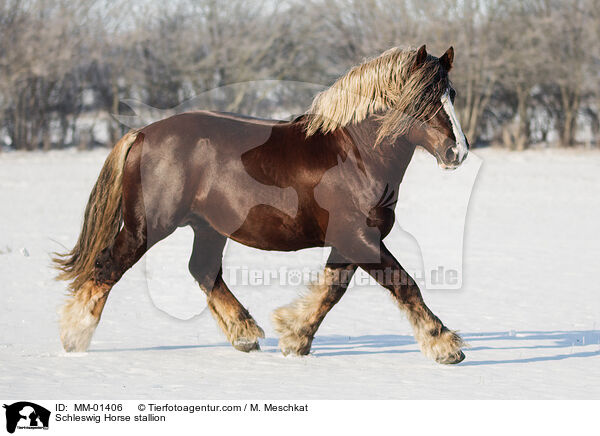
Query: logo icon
[26, 415]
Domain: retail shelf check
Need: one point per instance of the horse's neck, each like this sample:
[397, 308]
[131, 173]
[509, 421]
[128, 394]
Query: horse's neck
[386, 160]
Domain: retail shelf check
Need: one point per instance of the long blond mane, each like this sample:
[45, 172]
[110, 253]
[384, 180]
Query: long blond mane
[387, 86]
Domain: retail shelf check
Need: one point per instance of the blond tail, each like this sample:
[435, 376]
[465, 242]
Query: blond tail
[102, 219]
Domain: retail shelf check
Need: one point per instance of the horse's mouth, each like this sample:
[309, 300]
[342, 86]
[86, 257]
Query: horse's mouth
[452, 165]
[448, 167]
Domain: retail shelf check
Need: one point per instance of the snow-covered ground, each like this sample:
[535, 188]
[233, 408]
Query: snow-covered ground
[529, 306]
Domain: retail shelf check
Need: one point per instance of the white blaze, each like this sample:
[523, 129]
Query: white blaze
[461, 141]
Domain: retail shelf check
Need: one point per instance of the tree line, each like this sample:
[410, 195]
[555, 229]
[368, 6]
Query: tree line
[526, 72]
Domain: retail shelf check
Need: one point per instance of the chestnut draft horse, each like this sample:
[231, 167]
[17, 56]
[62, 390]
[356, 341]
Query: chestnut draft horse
[329, 178]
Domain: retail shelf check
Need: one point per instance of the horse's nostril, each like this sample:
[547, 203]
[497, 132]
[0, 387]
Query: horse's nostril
[451, 154]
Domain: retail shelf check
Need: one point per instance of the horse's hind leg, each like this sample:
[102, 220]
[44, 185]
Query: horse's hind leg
[81, 313]
[80, 316]
[205, 265]
[298, 322]
[233, 318]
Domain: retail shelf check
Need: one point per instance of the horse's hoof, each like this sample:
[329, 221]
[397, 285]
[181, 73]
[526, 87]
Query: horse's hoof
[246, 345]
[294, 349]
[451, 359]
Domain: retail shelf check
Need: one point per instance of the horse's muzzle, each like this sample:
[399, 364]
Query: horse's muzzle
[453, 157]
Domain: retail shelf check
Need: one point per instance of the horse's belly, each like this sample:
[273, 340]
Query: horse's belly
[269, 228]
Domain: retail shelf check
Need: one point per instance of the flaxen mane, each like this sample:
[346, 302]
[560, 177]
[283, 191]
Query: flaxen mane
[388, 86]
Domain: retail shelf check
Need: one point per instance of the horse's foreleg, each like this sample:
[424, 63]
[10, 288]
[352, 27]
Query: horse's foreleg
[298, 322]
[233, 318]
[80, 315]
[435, 340]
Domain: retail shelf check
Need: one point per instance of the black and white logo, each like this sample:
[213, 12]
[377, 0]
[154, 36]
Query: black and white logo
[26, 415]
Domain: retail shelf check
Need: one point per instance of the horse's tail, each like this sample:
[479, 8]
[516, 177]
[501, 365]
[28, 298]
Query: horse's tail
[102, 219]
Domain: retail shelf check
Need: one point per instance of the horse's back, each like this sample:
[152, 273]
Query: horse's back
[191, 130]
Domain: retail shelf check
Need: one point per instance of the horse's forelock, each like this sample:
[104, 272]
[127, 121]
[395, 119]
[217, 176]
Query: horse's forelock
[416, 102]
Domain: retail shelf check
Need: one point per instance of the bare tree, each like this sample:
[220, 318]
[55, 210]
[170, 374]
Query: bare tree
[524, 70]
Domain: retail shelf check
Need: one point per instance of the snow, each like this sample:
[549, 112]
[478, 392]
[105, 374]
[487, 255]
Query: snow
[529, 305]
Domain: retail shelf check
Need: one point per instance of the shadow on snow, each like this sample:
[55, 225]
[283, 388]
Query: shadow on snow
[566, 343]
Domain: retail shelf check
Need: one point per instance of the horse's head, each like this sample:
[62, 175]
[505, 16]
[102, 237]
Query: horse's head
[407, 93]
[439, 131]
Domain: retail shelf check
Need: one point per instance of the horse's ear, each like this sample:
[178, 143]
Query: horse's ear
[420, 57]
[447, 59]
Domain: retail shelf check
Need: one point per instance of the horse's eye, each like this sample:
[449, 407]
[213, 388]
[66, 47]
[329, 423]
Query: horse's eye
[452, 95]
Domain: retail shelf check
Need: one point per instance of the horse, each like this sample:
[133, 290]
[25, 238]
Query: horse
[328, 178]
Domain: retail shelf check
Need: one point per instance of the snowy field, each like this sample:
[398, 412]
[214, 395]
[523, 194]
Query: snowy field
[529, 306]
